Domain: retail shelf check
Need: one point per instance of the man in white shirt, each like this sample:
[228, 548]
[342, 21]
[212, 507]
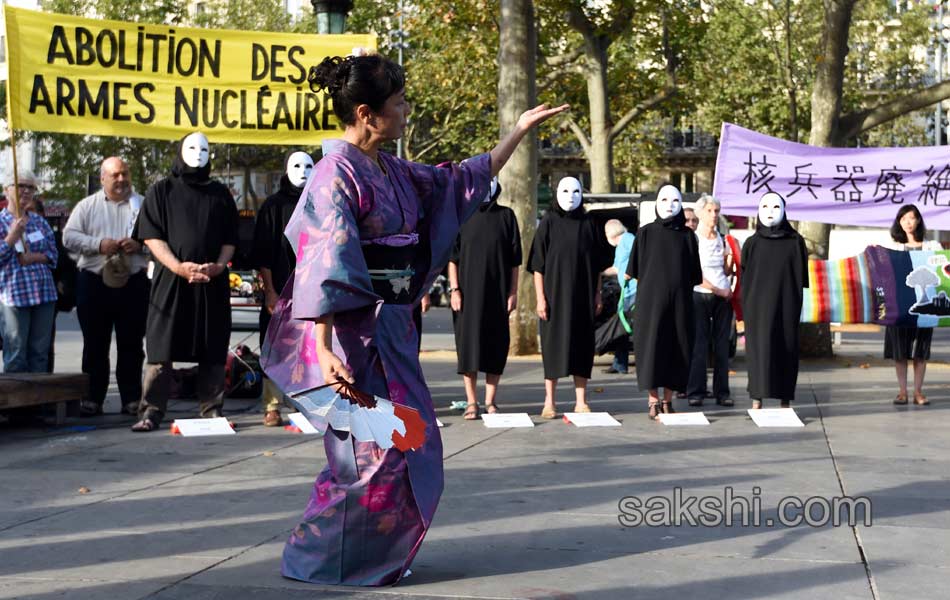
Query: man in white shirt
[112, 287]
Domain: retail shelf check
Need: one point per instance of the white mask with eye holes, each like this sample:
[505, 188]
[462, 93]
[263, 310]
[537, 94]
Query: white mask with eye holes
[569, 194]
[771, 209]
[194, 150]
[669, 202]
[299, 166]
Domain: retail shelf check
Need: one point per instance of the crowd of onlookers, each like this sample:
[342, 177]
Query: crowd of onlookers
[111, 286]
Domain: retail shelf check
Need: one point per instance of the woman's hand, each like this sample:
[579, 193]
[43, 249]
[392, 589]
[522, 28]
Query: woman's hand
[16, 230]
[456, 300]
[539, 114]
[333, 368]
[528, 120]
[542, 308]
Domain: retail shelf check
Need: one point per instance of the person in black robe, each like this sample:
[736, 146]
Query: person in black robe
[274, 257]
[189, 224]
[567, 255]
[665, 263]
[774, 271]
[483, 284]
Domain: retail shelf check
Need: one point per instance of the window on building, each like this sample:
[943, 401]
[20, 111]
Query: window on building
[3, 48]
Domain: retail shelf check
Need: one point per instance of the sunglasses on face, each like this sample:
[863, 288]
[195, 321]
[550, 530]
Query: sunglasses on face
[26, 187]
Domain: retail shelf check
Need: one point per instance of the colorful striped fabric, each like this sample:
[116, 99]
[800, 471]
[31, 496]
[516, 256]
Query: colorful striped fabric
[881, 286]
[839, 291]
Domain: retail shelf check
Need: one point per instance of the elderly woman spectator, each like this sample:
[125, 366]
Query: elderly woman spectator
[27, 291]
[711, 307]
[622, 240]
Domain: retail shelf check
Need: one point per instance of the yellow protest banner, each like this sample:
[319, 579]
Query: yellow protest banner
[99, 77]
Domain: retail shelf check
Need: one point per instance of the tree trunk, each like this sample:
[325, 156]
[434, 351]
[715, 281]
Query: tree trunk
[601, 146]
[825, 114]
[516, 93]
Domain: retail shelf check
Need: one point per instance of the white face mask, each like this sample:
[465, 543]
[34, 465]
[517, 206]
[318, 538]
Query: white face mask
[299, 165]
[771, 209]
[569, 194]
[669, 202]
[194, 150]
[491, 191]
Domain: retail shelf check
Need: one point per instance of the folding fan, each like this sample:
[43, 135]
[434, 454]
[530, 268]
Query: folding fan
[367, 417]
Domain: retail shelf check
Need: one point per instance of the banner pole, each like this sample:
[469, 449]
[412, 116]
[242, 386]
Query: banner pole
[10, 131]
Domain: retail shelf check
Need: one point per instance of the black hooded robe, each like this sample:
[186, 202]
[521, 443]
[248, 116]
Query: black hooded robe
[272, 250]
[195, 216]
[569, 251]
[487, 248]
[665, 263]
[774, 271]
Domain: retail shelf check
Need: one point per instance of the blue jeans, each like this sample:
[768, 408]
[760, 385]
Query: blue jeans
[27, 336]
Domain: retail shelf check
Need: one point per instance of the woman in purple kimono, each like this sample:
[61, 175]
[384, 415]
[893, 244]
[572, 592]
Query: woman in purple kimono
[370, 232]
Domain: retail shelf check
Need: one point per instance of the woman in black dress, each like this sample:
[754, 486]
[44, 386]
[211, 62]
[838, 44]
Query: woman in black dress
[774, 271]
[909, 343]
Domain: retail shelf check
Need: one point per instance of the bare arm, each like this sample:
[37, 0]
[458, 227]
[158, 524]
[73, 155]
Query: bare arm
[455, 296]
[542, 305]
[513, 291]
[331, 365]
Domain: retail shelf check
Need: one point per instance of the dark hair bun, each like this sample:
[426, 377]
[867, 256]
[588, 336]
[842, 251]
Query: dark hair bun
[329, 75]
[356, 80]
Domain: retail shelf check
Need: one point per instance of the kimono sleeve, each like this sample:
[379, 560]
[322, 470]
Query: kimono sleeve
[266, 243]
[461, 186]
[516, 253]
[152, 223]
[804, 253]
[633, 263]
[331, 274]
[539, 248]
[231, 218]
[456, 249]
[695, 266]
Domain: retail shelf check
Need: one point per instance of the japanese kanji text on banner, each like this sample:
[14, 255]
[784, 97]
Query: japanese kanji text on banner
[90, 76]
[846, 186]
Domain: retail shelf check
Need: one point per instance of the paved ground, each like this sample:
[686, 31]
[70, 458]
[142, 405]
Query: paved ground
[93, 511]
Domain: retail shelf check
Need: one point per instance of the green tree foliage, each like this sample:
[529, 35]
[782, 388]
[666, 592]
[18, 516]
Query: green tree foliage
[760, 59]
[451, 72]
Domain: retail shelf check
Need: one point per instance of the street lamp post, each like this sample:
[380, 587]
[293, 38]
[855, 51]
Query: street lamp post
[331, 15]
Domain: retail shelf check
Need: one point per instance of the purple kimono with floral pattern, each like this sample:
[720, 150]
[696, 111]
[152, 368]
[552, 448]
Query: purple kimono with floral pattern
[370, 508]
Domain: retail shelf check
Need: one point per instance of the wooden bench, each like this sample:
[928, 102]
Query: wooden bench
[18, 390]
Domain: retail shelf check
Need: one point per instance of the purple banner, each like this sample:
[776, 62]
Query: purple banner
[845, 186]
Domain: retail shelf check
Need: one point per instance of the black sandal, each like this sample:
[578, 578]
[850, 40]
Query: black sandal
[654, 411]
[667, 407]
[471, 412]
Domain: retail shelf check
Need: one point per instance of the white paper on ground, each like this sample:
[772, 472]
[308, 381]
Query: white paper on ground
[593, 419]
[689, 418]
[199, 427]
[503, 420]
[302, 423]
[439, 423]
[775, 417]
